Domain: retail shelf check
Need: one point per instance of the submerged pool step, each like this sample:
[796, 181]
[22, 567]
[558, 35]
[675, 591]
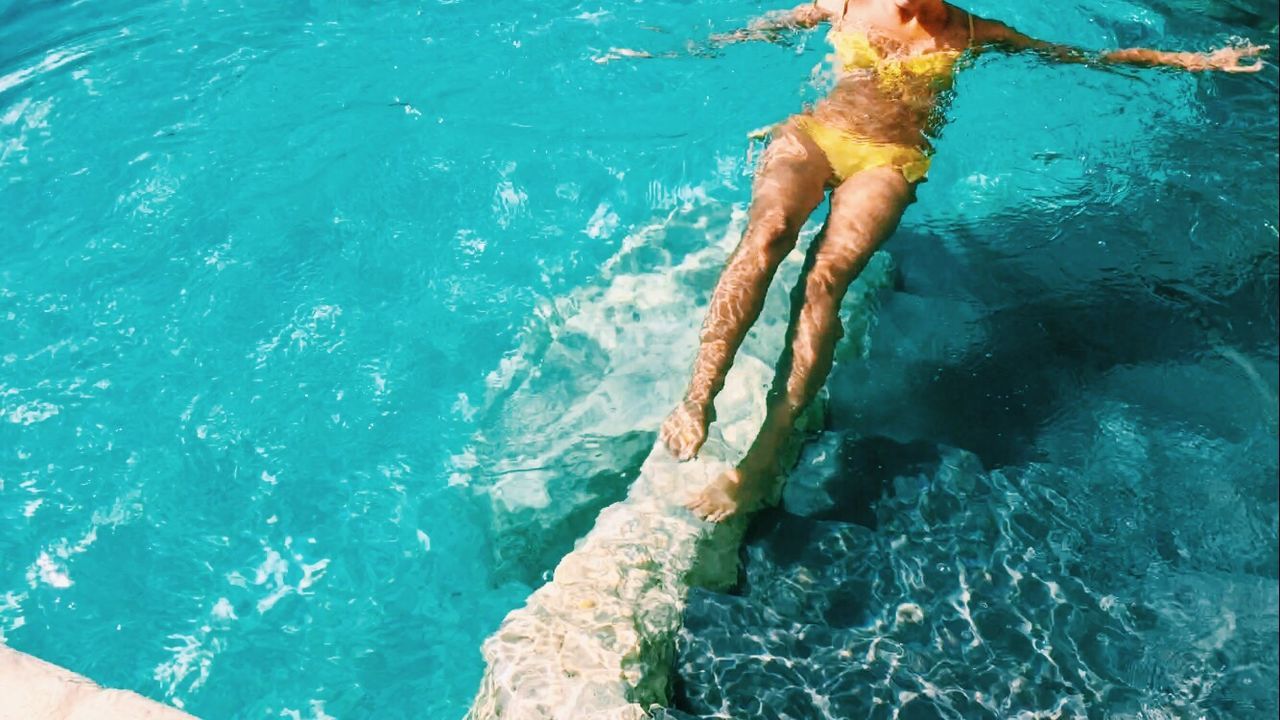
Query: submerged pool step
[597, 642]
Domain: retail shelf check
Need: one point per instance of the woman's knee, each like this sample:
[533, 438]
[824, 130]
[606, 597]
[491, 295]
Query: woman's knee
[772, 232]
[829, 278]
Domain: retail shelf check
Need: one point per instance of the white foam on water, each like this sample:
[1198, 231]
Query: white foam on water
[30, 413]
[50, 62]
[193, 650]
[52, 565]
[50, 572]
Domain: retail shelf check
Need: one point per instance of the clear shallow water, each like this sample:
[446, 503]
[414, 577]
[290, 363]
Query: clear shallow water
[261, 268]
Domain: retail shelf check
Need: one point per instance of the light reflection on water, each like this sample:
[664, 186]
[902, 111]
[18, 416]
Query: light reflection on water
[261, 267]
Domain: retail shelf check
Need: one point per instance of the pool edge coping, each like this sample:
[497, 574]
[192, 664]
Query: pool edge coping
[31, 689]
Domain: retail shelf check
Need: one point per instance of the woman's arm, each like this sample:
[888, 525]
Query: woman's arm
[1227, 59]
[770, 25]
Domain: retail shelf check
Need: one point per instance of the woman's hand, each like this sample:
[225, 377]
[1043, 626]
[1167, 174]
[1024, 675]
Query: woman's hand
[618, 53]
[1230, 59]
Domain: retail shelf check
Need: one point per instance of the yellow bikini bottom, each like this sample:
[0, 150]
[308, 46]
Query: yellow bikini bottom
[850, 153]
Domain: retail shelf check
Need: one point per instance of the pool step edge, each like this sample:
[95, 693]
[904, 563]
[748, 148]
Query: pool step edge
[598, 641]
[32, 689]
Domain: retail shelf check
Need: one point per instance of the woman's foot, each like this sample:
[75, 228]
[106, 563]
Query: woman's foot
[685, 429]
[739, 490]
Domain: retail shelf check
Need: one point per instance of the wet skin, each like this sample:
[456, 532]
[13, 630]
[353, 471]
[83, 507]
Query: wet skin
[793, 179]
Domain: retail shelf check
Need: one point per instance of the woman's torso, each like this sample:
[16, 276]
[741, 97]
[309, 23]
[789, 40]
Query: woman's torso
[887, 90]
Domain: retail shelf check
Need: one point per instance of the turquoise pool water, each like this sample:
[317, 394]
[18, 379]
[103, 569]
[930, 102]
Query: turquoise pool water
[267, 273]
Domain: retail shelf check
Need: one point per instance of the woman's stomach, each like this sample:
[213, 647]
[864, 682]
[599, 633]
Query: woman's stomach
[903, 112]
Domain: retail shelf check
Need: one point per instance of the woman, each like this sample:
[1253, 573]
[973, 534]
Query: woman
[867, 142]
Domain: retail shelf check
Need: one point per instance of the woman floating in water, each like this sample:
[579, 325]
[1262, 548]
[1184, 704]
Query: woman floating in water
[868, 142]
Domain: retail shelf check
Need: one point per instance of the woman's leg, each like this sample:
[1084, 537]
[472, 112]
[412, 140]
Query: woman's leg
[790, 183]
[865, 210]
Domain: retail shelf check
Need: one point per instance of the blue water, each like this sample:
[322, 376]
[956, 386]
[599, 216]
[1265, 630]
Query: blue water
[262, 263]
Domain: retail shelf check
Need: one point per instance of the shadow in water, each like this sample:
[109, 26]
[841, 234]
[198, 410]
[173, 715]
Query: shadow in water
[860, 474]
[982, 366]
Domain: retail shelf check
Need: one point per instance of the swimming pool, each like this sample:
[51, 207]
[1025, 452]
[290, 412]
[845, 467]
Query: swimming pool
[279, 282]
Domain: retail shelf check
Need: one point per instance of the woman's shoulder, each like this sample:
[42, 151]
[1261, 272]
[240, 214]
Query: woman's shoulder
[833, 9]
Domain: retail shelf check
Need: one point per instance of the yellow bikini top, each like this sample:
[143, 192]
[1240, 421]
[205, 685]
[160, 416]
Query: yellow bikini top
[854, 51]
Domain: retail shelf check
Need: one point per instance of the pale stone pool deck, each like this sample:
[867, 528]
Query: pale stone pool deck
[32, 689]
